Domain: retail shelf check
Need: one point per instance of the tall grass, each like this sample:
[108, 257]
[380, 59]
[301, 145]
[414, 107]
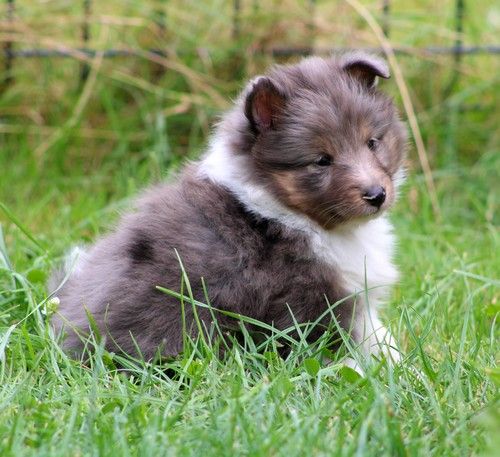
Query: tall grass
[72, 154]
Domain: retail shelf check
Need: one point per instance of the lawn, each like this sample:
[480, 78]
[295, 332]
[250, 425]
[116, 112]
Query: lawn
[73, 154]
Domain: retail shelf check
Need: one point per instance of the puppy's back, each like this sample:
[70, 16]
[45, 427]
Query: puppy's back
[194, 220]
[115, 281]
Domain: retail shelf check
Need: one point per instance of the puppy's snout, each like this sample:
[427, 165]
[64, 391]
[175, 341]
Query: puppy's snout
[374, 195]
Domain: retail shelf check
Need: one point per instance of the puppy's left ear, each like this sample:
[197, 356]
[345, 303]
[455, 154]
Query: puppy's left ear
[365, 68]
[264, 104]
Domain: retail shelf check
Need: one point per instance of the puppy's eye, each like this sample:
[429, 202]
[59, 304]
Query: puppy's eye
[373, 144]
[323, 161]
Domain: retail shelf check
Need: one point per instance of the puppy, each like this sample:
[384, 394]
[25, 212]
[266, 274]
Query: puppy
[283, 217]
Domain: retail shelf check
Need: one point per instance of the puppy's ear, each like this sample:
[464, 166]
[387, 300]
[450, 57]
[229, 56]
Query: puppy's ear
[263, 105]
[365, 68]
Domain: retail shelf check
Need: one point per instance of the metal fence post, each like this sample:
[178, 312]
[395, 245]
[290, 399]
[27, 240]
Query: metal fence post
[454, 109]
[236, 19]
[459, 28]
[386, 9]
[160, 21]
[85, 67]
[457, 47]
[9, 45]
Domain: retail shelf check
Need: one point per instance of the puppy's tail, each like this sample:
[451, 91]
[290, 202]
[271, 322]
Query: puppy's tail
[73, 263]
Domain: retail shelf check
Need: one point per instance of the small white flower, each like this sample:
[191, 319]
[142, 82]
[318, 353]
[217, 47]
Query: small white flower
[51, 306]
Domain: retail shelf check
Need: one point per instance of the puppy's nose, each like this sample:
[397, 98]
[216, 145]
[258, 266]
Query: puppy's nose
[375, 196]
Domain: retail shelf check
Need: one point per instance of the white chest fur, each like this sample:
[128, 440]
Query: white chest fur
[363, 255]
[360, 252]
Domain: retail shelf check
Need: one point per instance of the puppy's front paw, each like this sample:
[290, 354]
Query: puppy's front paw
[390, 352]
[351, 363]
[381, 343]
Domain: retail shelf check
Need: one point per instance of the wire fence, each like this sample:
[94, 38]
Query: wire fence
[11, 53]
[88, 60]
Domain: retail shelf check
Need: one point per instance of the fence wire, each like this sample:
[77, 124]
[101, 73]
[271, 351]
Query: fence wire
[274, 51]
[10, 54]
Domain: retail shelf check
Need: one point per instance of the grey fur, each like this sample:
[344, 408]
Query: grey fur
[253, 266]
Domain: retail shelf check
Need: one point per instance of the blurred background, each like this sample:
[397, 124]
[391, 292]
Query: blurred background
[97, 99]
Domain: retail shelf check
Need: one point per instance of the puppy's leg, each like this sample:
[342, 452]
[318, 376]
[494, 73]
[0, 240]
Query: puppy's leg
[373, 337]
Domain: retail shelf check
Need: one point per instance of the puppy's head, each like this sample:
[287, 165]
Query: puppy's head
[323, 139]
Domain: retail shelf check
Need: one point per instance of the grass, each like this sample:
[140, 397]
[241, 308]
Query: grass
[441, 401]
[72, 156]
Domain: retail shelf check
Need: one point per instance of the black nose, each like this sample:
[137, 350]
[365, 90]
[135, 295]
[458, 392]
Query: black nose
[375, 196]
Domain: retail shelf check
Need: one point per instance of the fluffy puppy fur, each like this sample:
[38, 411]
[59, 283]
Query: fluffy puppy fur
[283, 214]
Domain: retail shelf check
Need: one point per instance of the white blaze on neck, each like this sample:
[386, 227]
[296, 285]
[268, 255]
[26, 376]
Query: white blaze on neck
[360, 252]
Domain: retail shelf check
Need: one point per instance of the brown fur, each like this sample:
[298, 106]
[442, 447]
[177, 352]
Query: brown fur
[327, 112]
[283, 124]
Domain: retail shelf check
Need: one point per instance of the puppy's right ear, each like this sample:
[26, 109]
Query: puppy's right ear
[263, 105]
[365, 67]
